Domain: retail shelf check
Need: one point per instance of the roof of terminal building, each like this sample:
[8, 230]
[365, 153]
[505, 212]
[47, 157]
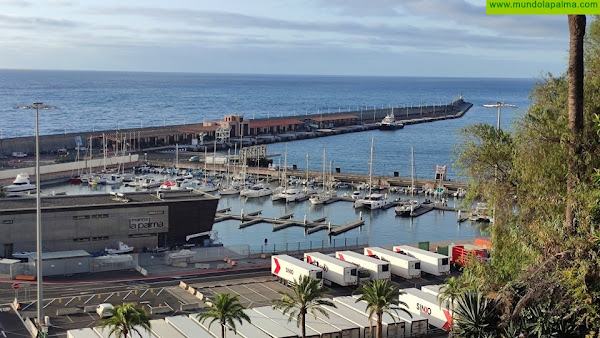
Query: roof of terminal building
[273, 123]
[334, 117]
[24, 203]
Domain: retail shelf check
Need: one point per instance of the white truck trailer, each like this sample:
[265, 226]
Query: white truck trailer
[431, 262]
[392, 326]
[377, 268]
[428, 306]
[280, 319]
[264, 324]
[289, 269]
[334, 270]
[432, 289]
[401, 265]
[416, 325]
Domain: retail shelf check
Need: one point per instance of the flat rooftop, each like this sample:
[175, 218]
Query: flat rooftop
[26, 203]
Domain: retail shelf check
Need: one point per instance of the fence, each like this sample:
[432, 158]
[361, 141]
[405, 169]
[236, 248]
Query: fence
[323, 246]
[114, 262]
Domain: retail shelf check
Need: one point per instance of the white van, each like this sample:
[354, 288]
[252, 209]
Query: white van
[19, 154]
[102, 310]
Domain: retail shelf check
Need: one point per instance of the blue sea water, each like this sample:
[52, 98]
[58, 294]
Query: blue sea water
[88, 101]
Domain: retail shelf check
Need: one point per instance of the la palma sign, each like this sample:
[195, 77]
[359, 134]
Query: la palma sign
[137, 224]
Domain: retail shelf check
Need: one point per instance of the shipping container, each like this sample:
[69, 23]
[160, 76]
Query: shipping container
[334, 270]
[283, 320]
[377, 268]
[266, 325]
[324, 328]
[162, 329]
[416, 325]
[483, 242]
[289, 269]
[82, 333]
[428, 306]
[360, 320]
[401, 265]
[348, 329]
[431, 262]
[463, 255]
[188, 327]
[392, 327]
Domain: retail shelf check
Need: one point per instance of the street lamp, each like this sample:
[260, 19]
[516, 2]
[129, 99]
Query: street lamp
[499, 105]
[38, 222]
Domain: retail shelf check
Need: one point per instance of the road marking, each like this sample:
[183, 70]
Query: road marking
[255, 291]
[50, 302]
[161, 290]
[108, 297]
[25, 308]
[87, 301]
[67, 303]
[127, 295]
[144, 293]
[167, 304]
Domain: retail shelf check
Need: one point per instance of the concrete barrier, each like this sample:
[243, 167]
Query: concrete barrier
[160, 309]
[202, 266]
[67, 311]
[89, 308]
[191, 290]
[200, 295]
[223, 266]
[183, 285]
[208, 303]
[180, 265]
[191, 306]
[144, 272]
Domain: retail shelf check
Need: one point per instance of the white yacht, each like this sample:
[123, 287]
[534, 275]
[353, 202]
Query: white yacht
[121, 248]
[288, 195]
[113, 179]
[149, 182]
[322, 197]
[389, 122]
[371, 201]
[407, 209]
[21, 184]
[257, 190]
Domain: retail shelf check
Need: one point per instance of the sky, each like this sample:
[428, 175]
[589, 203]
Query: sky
[447, 38]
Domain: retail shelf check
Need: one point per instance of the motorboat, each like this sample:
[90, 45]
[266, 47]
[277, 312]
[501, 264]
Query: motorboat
[257, 190]
[229, 190]
[481, 213]
[121, 249]
[353, 195]
[408, 208]
[322, 197]
[182, 254]
[460, 193]
[113, 179]
[20, 184]
[289, 195]
[207, 187]
[183, 184]
[371, 201]
[167, 185]
[389, 122]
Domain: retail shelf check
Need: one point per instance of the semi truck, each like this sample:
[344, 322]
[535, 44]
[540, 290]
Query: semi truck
[401, 265]
[431, 262]
[288, 269]
[428, 306]
[334, 270]
[377, 268]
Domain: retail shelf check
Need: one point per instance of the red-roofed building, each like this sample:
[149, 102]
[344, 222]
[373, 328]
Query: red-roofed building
[334, 120]
[258, 127]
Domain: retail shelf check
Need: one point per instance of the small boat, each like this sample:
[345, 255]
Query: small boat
[167, 185]
[182, 254]
[229, 190]
[480, 214]
[322, 197]
[257, 190]
[407, 209]
[121, 248]
[23, 254]
[113, 179]
[371, 201]
[20, 184]
[289, 195]
[354, 195]
[460, 193]
[389, 122]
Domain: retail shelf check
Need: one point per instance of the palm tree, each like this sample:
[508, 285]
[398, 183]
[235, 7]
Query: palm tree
[226, 309]
[449, 291]
[124, 320]
[475, 315]
[381, 297]
[307, 297]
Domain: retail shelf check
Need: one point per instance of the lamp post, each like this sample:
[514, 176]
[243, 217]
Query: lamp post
[499, 105]
[38, 222]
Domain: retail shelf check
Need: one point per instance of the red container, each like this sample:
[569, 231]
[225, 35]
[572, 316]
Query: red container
[464, 257]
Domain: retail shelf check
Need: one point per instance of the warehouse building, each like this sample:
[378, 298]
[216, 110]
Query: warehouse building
[92, 223]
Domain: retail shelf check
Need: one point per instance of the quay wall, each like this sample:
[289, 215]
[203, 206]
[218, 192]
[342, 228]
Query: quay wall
[147, 137]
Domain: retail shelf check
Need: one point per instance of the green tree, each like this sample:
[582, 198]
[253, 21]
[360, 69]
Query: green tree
[124, 320]
[308, 296]
[226, 309]
[381, 297]
[449, 291]
[475, 316]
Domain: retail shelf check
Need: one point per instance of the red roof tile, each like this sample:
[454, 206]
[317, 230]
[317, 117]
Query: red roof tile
[273, 123]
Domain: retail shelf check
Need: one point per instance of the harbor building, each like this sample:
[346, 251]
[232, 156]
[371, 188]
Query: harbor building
[92, 223]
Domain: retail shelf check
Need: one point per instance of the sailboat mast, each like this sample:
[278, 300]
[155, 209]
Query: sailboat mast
[306, 179]
[412, 173]
[324, 168]
[371, 166]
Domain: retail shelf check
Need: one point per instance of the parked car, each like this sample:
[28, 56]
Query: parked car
[19, 154]
[102, 310]
[194, 158]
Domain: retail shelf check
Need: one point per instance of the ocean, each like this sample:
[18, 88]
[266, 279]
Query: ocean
[87, 101]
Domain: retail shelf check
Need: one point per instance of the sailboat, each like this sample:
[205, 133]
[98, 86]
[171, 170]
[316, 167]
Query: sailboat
[229, 189]
[371, 201]
[407, 209]
[327, 193]
[287, 194]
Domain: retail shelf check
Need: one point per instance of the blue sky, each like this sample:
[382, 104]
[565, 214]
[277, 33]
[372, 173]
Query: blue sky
[337, 37]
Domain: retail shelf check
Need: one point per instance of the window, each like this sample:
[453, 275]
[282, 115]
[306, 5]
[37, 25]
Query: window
[100, 238]
[100, 216]
[319, 275]
[418, 265]
[7, 221]
[385, 268]
[82, 239]
[81, 217]
[444, 261]
[156, 212]
[353, 272]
